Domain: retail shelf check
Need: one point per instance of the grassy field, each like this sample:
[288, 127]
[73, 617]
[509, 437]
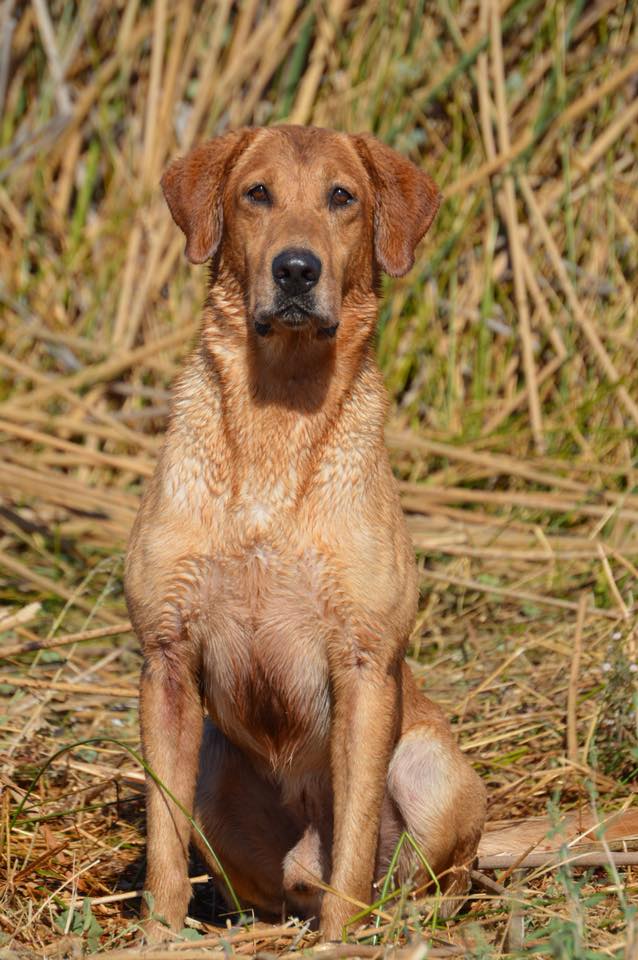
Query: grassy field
[511, 355]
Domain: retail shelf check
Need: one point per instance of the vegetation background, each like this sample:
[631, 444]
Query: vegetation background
[511, 355]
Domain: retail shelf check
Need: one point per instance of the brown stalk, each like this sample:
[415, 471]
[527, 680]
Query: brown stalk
[522, 595]
[30, 646]
[514, 233]
[572, 691]
[98, 689]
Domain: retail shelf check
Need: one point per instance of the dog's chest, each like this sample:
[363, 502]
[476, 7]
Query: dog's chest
[264, 624]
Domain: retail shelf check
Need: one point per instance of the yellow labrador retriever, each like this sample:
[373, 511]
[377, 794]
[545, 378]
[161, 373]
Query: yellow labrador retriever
[270, 576]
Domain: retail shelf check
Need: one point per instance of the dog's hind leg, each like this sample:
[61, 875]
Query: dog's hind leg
[246, 823]
[436, 797]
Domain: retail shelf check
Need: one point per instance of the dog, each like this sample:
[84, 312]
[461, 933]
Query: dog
[270, 577]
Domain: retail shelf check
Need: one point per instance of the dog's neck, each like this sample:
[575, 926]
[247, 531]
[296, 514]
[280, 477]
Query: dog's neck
[297, 372]
[276, 399]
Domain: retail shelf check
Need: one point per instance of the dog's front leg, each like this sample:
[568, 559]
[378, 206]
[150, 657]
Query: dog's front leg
[171, 721]
[364, 729]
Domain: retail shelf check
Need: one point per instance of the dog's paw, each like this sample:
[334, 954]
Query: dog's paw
[152, 931]
[456, 892]
[335, 914]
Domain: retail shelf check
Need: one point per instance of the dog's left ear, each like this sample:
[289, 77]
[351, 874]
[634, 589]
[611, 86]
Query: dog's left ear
[406, 201]
[193, 187]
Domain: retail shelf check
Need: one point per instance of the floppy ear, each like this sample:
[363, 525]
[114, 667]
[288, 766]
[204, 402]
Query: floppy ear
[406, 202]
[193, 187]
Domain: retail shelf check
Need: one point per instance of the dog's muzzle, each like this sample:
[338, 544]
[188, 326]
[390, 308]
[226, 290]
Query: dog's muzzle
[296, 272]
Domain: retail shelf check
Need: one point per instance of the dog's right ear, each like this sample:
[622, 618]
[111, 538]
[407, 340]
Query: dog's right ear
[193, 187]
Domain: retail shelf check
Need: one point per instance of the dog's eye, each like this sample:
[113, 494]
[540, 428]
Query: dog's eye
[258, 194]
[339, 197]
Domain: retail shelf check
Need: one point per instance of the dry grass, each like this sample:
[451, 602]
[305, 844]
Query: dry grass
[511, 353]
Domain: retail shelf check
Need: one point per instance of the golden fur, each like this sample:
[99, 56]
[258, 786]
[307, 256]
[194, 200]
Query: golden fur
[270, 576]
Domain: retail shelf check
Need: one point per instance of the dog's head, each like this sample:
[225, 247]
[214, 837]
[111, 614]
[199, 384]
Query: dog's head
[302, 217]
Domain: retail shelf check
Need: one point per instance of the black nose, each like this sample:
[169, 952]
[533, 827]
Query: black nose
[296, 271]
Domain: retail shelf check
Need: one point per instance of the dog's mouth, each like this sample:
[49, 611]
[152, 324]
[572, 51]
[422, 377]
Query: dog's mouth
[295, 314]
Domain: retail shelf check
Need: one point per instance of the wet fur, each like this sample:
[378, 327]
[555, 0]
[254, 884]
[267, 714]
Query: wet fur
[270, 576]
